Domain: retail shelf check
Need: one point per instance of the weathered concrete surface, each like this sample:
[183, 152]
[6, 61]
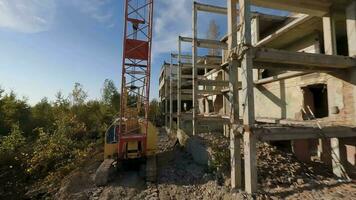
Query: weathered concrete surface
[103, 173]
[194, 147]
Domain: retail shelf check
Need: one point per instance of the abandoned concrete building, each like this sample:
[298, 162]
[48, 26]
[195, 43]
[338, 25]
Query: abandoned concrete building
[286, 79]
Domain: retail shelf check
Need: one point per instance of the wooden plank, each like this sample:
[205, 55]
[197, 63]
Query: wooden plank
[305, 59]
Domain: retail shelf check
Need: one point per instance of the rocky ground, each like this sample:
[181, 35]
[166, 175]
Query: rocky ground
[281, 176]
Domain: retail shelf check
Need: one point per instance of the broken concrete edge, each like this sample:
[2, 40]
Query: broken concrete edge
[104, 172]
[200, 153]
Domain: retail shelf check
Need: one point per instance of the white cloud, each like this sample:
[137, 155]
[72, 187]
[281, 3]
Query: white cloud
[28, 16]
[172, 18]
[99, 10]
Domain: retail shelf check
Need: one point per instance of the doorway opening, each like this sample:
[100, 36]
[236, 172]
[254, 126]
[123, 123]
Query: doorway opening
[315, 101]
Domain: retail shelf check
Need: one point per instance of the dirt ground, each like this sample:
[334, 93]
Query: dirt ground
[280, 177]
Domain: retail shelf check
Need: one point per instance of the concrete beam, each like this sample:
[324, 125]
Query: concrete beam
[311, 7]
[206, 43]
[203, 93]
[213, 83]
[296, 133]
[211, 44]
[300, 20]
[199, 66]
[294, 67]
[210, 8]
[280, 77]
[304, 59]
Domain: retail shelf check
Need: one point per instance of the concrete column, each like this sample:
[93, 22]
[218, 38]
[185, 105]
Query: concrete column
[236, 179]
[165, 95]
[329, 35]
[301, 150]
[235, 158]
[248, 99]
[207, 107]
[179, 85]
[330, 46]
[171, 95]
[351, 28]
[351, 37]
[195, 70]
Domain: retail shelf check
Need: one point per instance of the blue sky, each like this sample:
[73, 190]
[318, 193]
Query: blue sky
[48, 45]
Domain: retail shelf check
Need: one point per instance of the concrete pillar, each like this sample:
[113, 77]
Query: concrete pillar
[351, 28]
[165, 95]
[171, 95]
[207, 108]
[236, 179]
[301, 150]
[195, 69]
[235, 158]
[330, 46]
[179, 85]
[351, 37]
[248, 99]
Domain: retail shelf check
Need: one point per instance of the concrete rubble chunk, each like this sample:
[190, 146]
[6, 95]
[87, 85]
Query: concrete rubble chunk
[102, 174]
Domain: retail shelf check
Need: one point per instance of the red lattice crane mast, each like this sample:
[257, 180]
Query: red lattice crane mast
[135, 83]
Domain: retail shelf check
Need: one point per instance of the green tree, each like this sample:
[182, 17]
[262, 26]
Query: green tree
[78, 95]
[13, 141]
[14, 111]
[155, 114]
[61, 100]
[13, 161]
[1, 92]
[110, 95]
[43, 115]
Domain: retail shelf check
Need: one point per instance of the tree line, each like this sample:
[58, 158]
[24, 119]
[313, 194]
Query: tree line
[41, 144]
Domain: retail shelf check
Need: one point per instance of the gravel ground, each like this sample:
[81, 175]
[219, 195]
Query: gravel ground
[281, 176]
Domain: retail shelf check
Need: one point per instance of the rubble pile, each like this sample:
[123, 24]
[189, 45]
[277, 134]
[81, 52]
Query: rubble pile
[280, 175]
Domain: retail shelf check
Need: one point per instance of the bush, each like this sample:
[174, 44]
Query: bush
[13, 157]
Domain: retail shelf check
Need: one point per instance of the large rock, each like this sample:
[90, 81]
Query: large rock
[104, 172]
